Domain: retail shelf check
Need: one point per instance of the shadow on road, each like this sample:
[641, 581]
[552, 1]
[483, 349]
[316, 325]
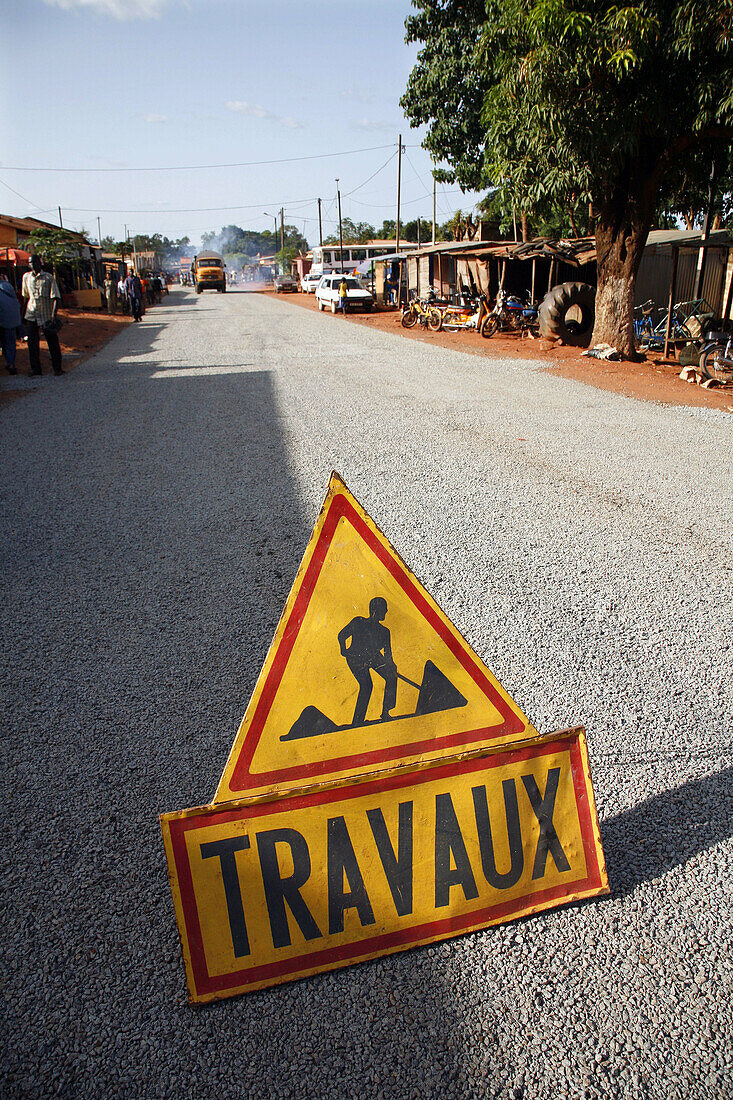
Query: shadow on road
[146, 572]
[667, 830]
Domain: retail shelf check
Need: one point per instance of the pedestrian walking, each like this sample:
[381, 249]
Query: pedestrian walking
[134, 293]
[343, 296]
[41, 299]
[9, 322]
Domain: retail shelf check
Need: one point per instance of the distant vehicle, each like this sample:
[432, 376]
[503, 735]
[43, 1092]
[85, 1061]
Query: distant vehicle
[310, 281]
[207, 272]
[327, 293]
[285, 284]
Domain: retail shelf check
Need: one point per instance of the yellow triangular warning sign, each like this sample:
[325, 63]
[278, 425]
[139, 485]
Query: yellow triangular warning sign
[365, 671]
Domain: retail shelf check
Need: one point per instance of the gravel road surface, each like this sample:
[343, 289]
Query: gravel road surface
[155, 506]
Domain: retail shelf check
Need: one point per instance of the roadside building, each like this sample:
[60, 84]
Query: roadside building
[79, 279]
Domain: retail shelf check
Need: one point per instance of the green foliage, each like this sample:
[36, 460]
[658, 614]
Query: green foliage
[166, 249]
[562, 102]
[55, 246]
[232, 240]
[585, 96]
[353, 233]
[446, 89]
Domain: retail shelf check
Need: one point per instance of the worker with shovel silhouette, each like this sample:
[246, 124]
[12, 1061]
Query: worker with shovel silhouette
[370, 648]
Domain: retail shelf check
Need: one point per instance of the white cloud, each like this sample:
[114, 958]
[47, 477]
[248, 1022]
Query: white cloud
[255, 111]
[155, 118]
[369, 125]
[117, 9]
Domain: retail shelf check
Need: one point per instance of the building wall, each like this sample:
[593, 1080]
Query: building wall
[655, 274]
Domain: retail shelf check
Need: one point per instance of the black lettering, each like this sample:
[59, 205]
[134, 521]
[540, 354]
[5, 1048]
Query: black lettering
[279, 890]
[397, 869]
[226, 851]
[449, 842]
[499, 880]
[342, 864]
[544, 808]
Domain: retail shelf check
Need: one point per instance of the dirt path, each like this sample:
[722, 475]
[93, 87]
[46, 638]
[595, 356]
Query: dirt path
[655, 380]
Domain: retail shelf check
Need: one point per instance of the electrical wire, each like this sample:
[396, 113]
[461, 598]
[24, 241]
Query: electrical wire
[347, 194]
[23, 197]
[185, 210]
[204, 167]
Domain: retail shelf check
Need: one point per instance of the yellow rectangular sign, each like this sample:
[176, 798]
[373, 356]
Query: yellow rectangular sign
[269, 890]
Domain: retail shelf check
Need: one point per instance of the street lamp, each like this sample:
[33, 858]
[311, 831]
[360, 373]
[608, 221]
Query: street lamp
[274, 235]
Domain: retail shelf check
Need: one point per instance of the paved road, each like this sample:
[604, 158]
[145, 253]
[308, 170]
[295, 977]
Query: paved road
[155, 505]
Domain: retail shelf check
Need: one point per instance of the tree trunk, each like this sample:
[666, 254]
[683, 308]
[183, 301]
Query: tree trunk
[622, 227]
[525, 226]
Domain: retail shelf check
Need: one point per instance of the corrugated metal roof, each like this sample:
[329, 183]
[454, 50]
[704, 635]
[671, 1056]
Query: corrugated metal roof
[578, 252]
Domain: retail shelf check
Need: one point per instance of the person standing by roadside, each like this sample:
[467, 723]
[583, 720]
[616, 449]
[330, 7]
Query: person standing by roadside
[9, 322]
[110, 290]
[134, 292]
[122, 296]
[42, 299]
[343, 296]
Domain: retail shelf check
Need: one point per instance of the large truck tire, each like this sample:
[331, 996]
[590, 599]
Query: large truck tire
[568, 312]
[199, 288]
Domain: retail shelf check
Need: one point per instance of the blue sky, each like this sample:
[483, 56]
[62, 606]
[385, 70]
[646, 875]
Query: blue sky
[115, 84]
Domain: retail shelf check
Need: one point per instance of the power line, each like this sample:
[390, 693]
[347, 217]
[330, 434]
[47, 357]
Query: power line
[369, 178]
[202, 167]
[183, 210]
[30, 203]
[406, 202]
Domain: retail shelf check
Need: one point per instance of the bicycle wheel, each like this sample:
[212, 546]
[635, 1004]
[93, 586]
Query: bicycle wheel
[714, 364]
[409, 318]
[490, 325]
[435, 320]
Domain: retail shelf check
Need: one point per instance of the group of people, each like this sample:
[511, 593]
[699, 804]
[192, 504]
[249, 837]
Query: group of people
[36, 316]
[132, 294]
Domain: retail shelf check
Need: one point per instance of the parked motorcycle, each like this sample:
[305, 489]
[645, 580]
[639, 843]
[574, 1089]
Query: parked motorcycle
[510, 313]
[456, 318]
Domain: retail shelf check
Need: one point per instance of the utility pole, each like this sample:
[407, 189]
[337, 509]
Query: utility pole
[399, 186]
[282, 228]
[341, 235]
[99, 231]
[320, 225]
[418, 231]
[61, 222]
[433, 208]
[702, 256]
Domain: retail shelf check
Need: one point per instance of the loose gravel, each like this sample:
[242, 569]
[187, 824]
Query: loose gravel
[155, 505]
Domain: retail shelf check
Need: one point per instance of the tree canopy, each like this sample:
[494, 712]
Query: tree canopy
[567, 102]
[232, 240]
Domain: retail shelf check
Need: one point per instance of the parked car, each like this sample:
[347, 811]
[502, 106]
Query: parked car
[310, 281]
[284, 283]
[327, 293]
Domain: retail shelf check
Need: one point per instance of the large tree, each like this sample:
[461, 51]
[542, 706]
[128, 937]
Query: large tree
[579, 101]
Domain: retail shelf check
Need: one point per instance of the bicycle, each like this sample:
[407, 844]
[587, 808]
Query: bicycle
[678, 333]
[643, 324]
[716, 358]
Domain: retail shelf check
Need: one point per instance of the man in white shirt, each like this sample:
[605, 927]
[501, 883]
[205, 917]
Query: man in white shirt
[41, 298]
